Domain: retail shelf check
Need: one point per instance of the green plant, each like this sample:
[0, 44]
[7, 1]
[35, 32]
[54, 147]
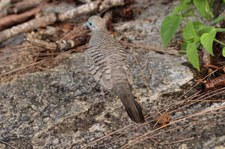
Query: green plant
[195, 33]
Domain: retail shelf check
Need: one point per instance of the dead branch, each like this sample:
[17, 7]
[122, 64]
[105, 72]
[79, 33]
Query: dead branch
[106, 4]
[60, 45]
[17, 18]
[52, 18]
[91, 7]
[28, 26]
[84, 9]
[19, 7]
[214, 83]
[26, 5]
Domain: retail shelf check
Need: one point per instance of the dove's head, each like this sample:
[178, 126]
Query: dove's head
[95, 23]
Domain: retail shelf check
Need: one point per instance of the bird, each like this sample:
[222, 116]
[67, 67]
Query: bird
[108, 65]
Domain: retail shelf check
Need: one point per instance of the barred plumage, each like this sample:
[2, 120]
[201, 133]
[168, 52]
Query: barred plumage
[108, 65]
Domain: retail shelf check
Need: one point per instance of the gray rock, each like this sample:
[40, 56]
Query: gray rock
[64, 100]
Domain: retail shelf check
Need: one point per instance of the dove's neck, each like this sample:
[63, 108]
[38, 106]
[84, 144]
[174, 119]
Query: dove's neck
[99, 37]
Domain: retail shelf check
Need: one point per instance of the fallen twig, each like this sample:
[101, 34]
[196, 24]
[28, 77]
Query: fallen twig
[84, 9]
[171, 51]
[18, 18]
[181, 140]
[60, 45]
[106, 4]
[214, 83]
[28, 26]
[22, 6]
[21, 68]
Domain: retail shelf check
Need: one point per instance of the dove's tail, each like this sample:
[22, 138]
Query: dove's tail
[132, 107]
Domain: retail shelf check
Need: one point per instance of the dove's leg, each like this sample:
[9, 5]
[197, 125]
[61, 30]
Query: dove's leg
[103, 92]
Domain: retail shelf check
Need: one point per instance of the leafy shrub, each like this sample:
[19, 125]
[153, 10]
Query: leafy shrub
[195, 33]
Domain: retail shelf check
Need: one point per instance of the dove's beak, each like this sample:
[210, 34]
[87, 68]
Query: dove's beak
[85, 26]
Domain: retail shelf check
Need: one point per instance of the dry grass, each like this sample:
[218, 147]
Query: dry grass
[150, 131]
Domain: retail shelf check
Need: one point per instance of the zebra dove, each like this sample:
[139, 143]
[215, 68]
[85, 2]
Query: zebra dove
[108, 65]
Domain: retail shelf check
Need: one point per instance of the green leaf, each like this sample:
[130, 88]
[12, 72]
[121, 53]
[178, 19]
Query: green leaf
[169, 27]
[223, 52]
[189, 32]
[203, 8]
[185, 1]
[181, 8]
[206, 29]
[192, 55]
[183, 47]
[220, 29]
[218, 19]
[207, 40]
[188, 13]
[198, 26]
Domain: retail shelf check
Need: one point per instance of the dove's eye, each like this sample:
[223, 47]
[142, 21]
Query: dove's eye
[90, 23]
